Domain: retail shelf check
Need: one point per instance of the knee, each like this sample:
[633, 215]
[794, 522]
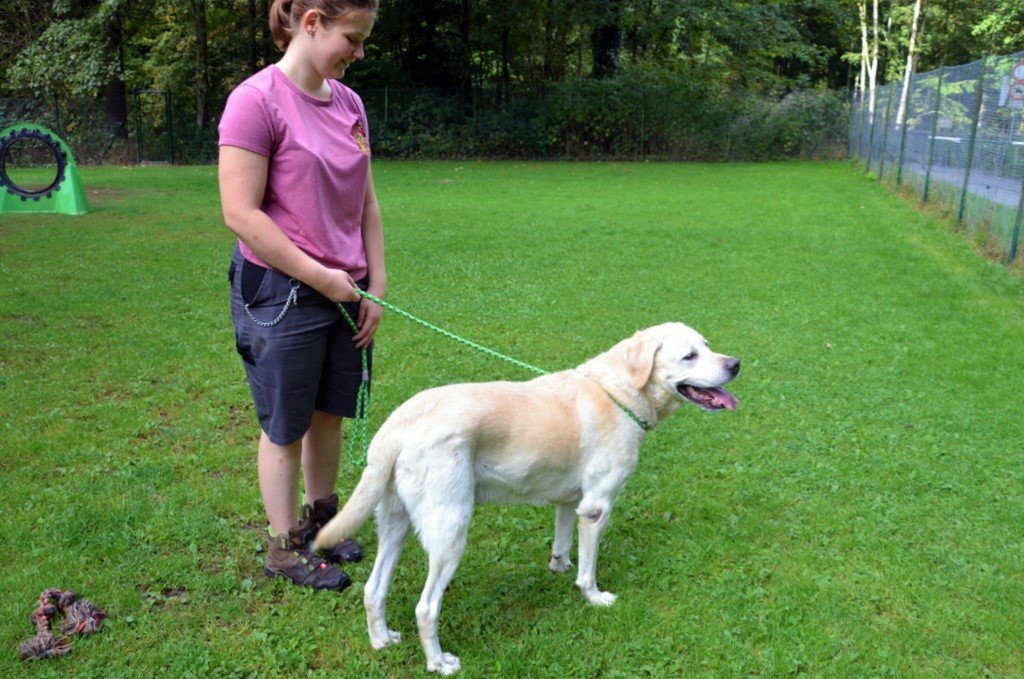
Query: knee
[592, 512]
[424, 614]
[325, 421]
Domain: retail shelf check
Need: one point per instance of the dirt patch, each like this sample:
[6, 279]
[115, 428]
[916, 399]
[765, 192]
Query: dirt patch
[102, 194]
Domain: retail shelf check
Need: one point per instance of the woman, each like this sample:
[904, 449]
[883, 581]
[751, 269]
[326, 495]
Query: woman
[296, 189]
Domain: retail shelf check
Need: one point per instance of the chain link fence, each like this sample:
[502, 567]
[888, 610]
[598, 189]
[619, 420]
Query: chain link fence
[957, 140]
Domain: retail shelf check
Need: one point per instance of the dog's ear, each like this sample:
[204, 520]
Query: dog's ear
[638, 355]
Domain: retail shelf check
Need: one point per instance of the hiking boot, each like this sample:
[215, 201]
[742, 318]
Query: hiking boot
[320, 513]
[289, 557]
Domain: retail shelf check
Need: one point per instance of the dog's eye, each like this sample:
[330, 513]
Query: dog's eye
[690, 356]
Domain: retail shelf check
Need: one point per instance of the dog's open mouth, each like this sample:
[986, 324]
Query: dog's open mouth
[708, 399]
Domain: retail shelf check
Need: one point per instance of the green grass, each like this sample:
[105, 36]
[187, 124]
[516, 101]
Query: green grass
[860, 514]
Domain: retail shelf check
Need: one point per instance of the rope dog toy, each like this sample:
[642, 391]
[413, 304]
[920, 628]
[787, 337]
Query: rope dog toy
[80, 617]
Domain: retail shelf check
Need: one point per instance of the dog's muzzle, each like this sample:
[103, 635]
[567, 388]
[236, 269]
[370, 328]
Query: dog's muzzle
[713, 398]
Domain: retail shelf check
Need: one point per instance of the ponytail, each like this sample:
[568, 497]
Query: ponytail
[281, 23]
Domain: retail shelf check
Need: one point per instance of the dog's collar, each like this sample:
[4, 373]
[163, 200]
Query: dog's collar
[629, 413]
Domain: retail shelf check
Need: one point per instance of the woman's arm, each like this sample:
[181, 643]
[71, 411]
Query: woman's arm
[243, 178]
[373, 245]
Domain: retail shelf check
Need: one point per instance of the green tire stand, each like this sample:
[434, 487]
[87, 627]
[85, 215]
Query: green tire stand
[64, 195]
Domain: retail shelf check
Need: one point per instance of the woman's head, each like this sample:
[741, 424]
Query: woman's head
[286, 16]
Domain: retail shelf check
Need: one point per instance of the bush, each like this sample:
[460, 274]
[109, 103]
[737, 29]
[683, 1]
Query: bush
[643, 115]
[640, 115]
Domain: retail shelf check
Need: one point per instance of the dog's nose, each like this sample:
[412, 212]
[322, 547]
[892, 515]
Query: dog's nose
[733, 366]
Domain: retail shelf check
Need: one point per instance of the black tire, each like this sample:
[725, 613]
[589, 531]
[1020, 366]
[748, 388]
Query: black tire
[58, 154]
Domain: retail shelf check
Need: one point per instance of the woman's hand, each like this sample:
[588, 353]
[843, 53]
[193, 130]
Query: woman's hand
[336, 285]
[370, 314]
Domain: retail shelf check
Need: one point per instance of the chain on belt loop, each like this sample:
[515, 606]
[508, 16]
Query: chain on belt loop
[293, 299]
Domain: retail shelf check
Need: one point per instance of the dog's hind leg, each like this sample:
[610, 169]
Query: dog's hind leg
[392, 528]
[444, 556]
[441, 517]
[560, 548]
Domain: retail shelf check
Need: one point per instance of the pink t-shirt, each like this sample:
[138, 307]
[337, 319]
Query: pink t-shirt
[319, 161]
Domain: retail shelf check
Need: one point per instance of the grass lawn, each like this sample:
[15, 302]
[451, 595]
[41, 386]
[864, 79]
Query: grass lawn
[861, 514]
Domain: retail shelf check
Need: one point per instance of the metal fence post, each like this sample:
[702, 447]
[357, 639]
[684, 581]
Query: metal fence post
[853, 121]
[170, 127]
[903, 131]
[1016, 225]
[643, 120]
[970, 145]
[860, 126]
[138, 129]
[885, 134]
[935, 129]
[858, 141]
[385, 125]
[56, 114]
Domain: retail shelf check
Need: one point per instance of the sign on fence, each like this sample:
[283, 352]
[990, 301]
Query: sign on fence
[1012, 93]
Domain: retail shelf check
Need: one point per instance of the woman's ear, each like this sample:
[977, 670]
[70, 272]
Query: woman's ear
[310, 22]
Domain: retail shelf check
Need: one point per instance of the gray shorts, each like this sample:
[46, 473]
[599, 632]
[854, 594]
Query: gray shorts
[305, 361]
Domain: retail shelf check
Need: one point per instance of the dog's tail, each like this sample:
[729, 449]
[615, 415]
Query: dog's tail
[380, 462]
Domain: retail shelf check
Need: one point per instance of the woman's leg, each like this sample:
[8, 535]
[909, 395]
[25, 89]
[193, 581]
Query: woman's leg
[321, 455]
[278, 468]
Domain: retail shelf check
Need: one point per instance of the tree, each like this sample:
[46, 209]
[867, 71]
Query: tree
[201, 65]
[82, 52]
[21, 23]
[606, 37]
[1002, 26]
[911, 57]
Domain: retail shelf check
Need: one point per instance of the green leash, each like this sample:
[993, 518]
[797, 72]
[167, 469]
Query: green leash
[362, 417]
[363, 396]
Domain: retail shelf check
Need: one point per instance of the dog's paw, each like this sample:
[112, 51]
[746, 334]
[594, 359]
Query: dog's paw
[559, 564]
[389, 638]
[447, 664]
[601, 598]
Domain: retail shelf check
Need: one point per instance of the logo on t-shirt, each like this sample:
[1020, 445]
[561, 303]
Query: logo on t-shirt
[359, 134]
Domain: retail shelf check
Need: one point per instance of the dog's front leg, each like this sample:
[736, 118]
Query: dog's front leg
[593, 517]
[560, 548]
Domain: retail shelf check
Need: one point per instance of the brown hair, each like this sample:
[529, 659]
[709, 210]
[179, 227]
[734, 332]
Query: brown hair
[286, 13]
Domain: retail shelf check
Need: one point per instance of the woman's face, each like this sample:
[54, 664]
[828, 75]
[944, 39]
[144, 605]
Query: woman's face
[338, 44]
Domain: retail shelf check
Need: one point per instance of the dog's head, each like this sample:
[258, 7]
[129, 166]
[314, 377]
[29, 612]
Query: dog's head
[676, 359]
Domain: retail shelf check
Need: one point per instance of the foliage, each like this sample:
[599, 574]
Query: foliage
[640, 114]
[68, 58]
[1003, 27]
[859, 515]
[697, 68]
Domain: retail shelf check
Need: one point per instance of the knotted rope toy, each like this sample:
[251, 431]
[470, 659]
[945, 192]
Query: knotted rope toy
[80, 617]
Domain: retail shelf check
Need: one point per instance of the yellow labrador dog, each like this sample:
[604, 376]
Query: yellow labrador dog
[571, 438]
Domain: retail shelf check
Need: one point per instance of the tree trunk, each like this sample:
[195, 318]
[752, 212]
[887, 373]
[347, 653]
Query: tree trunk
[546, 70]
[202, 67]
[506, 76]
[251, 54]
[266, 45]
[862, 10]
[869, 53]
[115, 92]
[465, 55]
[911, 59]
[606, 39]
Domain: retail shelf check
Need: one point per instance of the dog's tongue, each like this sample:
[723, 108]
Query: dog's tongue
[725, 398]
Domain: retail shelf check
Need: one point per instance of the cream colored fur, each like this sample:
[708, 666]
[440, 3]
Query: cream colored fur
[558, 439]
